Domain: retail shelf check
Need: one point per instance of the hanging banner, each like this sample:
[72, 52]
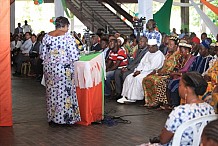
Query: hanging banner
[59, 10]
[69, 14]
[145, 9]
[210, 6]
[5, 65]
[213, 28]
[162, 17]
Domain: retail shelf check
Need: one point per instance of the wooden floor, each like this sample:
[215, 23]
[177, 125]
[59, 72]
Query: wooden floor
[136, 125]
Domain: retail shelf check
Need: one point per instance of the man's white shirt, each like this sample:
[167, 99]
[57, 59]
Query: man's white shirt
[27, 45]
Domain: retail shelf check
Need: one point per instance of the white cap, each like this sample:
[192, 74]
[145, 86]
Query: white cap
[152, 42]
[213, 45]
[121, 39]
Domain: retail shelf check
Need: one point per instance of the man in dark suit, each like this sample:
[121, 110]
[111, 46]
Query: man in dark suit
[34, 53]
[19, 29]
[95, 43]
[121, 74]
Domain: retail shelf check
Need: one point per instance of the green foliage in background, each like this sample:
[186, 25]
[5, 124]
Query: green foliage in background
[211, 14]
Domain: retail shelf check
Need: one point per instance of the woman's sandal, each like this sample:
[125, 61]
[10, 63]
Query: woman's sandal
[166, 107]
[153, 106]
[159, 109]
[146, 105]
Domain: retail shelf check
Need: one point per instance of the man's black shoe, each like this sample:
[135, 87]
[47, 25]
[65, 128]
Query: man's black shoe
[118, 96]
[16, 74]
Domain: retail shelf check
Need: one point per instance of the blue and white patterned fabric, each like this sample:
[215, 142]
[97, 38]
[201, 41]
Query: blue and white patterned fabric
[201, 64]
[184, 113]
[58, 55]
[153, 35]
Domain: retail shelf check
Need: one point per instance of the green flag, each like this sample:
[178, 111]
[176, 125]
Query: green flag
[69, 14]
[162, 17]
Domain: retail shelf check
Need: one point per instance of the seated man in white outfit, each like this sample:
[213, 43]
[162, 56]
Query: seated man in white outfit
[132, 86]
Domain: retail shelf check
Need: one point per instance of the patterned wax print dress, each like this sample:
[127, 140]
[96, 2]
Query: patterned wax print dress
[150, 82]
[210, 96]
[58, 55]
[183, 113]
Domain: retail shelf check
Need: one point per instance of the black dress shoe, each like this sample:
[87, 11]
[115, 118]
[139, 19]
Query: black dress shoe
[39, 79]
[17, 74]
[117, 96]
[107, 96]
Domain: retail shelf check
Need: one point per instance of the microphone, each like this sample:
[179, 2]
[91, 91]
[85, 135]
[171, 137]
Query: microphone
[76, 36]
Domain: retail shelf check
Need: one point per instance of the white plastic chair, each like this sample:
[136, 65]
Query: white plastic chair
[197, 125]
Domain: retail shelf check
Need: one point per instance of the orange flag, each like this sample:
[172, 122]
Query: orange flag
[210, 6]
[5, 65]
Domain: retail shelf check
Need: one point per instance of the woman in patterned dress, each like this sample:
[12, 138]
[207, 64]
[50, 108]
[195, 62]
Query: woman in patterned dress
[183, 65]
[211, 76]
[191, 85]
[150, 82]
[59, 52]
[200, 64]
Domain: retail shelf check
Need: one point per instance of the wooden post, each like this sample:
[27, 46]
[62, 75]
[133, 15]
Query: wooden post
[5, 65]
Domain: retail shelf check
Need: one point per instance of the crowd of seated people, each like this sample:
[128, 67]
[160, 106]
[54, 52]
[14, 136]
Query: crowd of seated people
[159, 87]
[132, 65]
[182, 66]
[167, 90]
[154, 78]
[152, 60]
[135, 79]
[168, 72]
[122, 73]
[175, 81]
[25, 48]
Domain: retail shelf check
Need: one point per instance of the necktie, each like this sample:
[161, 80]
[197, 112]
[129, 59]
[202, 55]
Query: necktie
[31, 50]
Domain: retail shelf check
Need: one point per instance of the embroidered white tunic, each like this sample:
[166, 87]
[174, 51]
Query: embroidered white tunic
[132, 86]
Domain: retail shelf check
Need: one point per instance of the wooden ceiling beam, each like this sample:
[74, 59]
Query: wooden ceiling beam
[125, 1]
